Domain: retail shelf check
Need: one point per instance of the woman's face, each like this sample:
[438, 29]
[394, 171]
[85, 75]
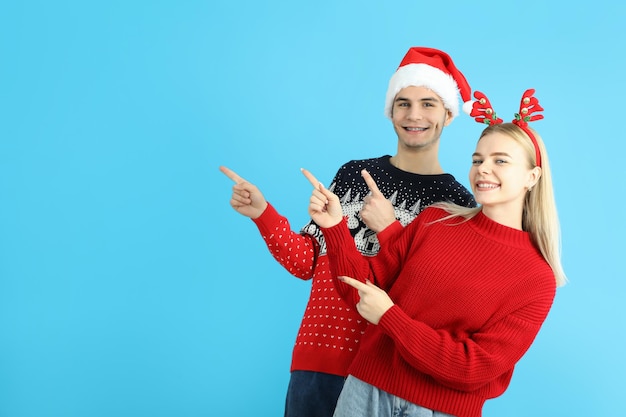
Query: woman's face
[500, 175]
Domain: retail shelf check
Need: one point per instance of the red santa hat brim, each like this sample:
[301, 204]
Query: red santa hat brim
[422, 75]
[432, 69]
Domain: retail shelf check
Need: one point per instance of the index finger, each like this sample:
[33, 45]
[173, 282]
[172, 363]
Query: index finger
[355, 283]
[314, 182]
[371, 184]
[232, 175]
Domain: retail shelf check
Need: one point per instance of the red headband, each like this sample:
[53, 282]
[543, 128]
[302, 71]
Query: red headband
[482, 112]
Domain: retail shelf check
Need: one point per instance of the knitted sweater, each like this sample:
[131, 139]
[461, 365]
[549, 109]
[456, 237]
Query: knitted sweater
[330, 331]
[470, 297]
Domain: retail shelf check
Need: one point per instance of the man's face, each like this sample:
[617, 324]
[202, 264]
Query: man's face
[418, 116]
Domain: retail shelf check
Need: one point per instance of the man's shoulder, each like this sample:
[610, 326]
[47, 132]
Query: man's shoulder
[348, 177]
[365, 163]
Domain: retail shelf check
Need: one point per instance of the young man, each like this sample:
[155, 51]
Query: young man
[421, 100]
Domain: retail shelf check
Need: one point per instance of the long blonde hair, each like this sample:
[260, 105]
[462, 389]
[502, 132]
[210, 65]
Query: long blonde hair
[539, 217]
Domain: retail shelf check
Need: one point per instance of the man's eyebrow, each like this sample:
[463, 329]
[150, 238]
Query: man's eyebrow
[434, 99]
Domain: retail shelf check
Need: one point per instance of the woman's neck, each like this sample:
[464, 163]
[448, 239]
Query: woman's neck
[505, 215]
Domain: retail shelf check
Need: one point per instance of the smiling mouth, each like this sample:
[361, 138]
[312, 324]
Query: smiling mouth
[483, 186]
[415, 129]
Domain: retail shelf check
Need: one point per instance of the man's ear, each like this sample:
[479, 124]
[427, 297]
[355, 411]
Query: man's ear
[448, 118]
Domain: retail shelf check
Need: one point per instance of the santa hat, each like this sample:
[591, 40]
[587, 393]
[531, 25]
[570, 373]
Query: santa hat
[433, 69]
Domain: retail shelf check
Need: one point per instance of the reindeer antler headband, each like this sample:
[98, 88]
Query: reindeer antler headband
[482, 112]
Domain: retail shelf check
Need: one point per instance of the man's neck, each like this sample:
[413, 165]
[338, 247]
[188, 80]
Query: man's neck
[417, 163]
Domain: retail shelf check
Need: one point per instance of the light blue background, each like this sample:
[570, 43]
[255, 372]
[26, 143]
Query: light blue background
[128, 285]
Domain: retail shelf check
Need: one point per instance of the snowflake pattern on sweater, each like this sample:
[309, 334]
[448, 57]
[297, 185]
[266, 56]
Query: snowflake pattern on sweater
[330, 330]
[409, 194]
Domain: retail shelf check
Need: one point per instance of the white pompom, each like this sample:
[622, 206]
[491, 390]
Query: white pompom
[467, 106]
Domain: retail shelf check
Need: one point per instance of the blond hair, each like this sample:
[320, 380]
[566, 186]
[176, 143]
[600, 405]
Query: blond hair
[539, 216]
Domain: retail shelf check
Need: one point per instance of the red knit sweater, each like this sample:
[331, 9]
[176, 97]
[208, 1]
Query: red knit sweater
[330, 331]
[469, 299]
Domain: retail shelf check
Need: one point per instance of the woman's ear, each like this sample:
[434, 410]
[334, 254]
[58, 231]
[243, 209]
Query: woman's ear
[534, 176]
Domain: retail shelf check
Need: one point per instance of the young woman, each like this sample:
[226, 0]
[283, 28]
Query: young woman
[459, 295]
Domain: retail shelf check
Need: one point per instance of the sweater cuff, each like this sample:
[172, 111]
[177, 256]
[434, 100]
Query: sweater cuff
[267, 218]
[337, 235]
[395, 322]
[340, 249]
[389, 231]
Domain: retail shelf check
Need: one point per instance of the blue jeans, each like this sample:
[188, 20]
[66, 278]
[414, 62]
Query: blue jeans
[360, 399]
[312, 394]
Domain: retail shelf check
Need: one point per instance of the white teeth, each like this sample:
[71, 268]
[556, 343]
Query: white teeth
[415, 129]
[487, 186]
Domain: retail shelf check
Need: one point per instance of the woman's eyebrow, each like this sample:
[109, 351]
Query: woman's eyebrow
[492, 154]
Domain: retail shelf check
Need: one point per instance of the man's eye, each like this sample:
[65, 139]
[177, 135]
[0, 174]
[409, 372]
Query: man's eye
[476, 162]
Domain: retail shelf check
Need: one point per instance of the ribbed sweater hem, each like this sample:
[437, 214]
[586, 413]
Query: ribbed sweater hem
[419, 389]
[335, 363]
